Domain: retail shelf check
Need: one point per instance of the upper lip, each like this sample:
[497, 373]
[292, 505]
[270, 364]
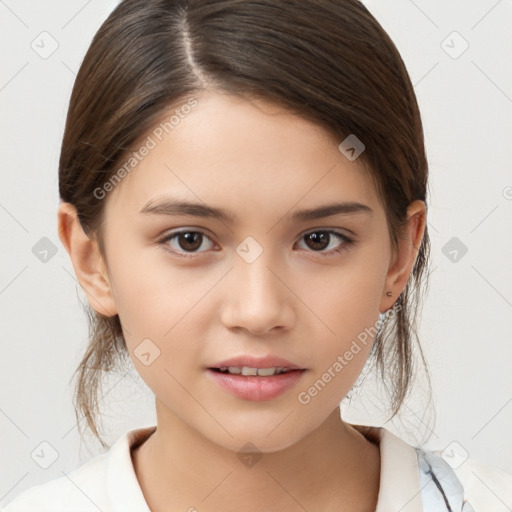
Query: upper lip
[257, 362]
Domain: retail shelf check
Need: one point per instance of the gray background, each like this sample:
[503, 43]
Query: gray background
[466, 104]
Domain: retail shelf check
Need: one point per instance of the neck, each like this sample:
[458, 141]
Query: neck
[333, 468]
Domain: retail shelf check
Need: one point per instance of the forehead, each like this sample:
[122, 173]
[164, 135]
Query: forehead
[242, 152]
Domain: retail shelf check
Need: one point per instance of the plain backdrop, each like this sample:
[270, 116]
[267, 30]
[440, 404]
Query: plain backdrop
[458, 57]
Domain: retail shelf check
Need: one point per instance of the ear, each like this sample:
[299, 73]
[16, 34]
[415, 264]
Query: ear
[404, 259]
[87, 261]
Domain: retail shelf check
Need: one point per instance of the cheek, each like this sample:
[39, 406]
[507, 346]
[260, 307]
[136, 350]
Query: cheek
[345, 298]
[150, 289]
[163, 302]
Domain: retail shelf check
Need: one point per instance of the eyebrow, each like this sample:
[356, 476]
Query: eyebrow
[178, 207]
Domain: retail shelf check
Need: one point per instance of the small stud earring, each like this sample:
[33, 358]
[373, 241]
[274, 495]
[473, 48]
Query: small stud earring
[389, 294]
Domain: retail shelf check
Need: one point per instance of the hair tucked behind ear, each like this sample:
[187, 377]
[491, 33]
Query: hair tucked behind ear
[328, 61]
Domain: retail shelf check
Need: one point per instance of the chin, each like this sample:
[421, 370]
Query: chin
[268, 433]
[251, 444]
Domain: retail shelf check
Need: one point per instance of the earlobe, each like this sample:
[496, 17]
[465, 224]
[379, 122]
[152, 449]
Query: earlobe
[405, 257]
[86, 259]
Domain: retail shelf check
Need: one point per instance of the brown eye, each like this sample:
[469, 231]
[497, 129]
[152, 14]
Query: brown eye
[183, 242]
[190, 240]
[318, 241]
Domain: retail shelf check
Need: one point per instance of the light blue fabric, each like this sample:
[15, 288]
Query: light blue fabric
[441, 490]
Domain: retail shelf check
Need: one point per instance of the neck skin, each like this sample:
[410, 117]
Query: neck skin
[334, 468]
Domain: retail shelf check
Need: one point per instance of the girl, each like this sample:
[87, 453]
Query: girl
[243, 198]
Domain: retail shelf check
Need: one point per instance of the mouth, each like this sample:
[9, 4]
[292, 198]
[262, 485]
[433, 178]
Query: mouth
[255, 379]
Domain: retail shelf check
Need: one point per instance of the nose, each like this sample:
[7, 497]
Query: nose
[257, 298]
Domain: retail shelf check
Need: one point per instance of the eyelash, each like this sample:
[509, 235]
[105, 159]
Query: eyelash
[347, 242]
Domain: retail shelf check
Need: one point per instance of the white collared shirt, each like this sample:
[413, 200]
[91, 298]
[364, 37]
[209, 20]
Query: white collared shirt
[411, 480]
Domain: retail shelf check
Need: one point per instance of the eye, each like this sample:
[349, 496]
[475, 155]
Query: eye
[322, 239]
[185, 241]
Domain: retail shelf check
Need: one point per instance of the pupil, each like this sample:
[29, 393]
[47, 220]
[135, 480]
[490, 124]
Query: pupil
[319, 237]
[190, 238]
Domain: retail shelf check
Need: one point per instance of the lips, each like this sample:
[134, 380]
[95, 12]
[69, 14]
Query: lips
[237, 376]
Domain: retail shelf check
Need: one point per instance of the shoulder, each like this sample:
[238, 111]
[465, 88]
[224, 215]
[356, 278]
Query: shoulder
[440, 487]
[436, 481]
[80, 490]
[468, 486]
[107, 482]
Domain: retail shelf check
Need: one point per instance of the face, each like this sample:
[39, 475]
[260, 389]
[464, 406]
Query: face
[194, 289]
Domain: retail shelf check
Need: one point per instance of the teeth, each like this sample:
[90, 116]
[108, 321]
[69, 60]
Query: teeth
[246, 370]
[265, 372]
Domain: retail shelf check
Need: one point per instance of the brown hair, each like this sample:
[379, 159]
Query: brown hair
[329, 61]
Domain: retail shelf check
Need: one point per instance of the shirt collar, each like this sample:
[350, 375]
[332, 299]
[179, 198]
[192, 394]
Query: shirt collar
[399, 484]
[124, 490]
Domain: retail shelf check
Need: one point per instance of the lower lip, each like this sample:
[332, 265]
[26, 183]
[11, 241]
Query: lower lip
[254, 387]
